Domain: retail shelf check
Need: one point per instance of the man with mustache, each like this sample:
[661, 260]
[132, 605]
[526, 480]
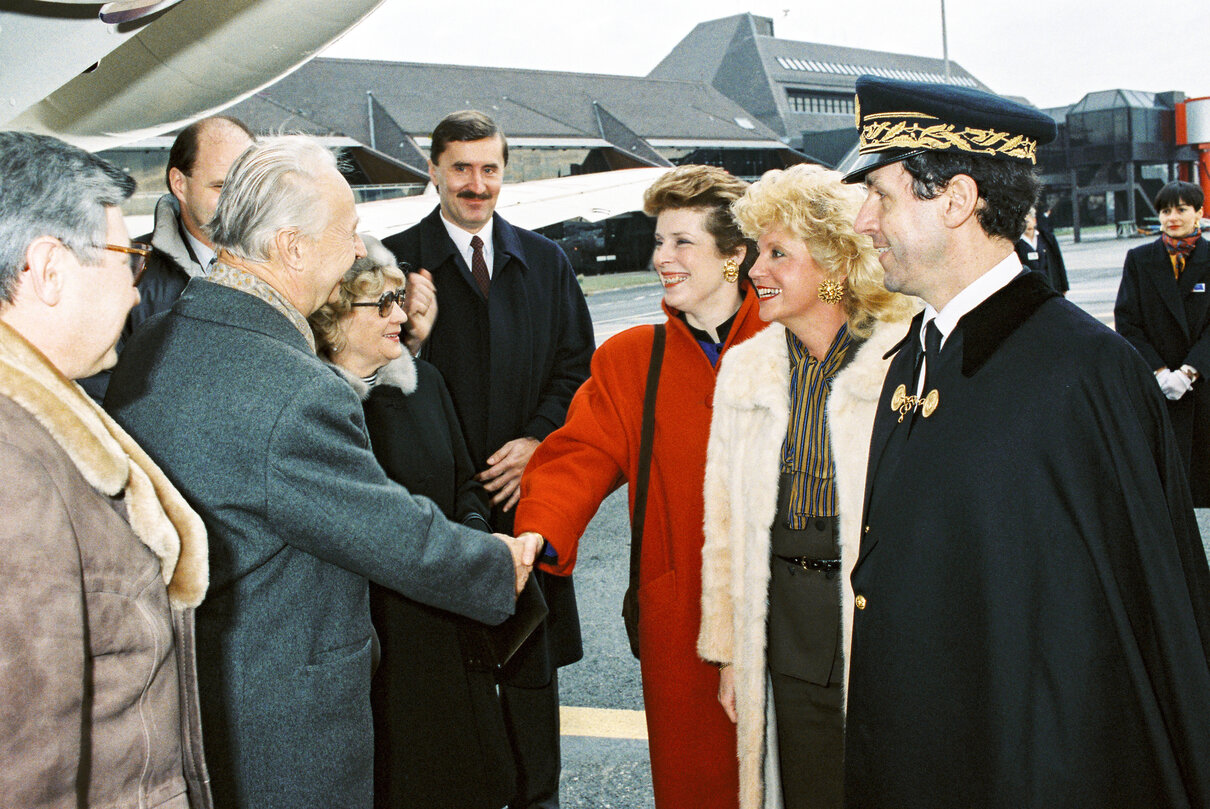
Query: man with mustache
[513, 340]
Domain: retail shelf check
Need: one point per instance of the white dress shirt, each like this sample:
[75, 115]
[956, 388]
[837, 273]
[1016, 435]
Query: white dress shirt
[968, 299]
[203, 252]
[462, 240]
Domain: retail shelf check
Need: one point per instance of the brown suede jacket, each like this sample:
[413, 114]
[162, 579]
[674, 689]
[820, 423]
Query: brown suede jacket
[103, 563]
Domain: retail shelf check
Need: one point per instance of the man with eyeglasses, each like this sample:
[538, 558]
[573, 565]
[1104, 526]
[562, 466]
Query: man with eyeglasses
[226, 392]
[103, 559]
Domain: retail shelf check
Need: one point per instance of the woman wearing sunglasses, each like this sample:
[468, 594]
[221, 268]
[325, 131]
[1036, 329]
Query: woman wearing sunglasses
[439, 738]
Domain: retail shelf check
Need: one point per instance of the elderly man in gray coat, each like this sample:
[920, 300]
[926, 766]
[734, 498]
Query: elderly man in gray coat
[269, 445]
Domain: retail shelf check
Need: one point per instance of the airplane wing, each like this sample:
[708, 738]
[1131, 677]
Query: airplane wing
[532, 204]
[160, 64]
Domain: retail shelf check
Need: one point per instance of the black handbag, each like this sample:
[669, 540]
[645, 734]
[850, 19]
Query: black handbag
[630, 601]
[488, 648]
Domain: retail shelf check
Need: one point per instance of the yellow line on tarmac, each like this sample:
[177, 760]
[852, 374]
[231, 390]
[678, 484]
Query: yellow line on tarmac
[603, 723]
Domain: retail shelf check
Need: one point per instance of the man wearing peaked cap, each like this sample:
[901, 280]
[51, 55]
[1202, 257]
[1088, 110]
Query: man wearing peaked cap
[1031, 622]
[899, 119]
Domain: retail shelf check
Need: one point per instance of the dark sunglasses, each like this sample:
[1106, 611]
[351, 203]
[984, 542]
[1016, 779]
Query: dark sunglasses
[385, 302]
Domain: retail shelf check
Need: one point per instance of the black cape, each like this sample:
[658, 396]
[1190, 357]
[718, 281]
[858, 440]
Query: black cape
[1033, 625]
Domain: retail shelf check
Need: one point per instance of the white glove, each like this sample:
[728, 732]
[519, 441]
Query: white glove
[1181, 379]
[1174, 384]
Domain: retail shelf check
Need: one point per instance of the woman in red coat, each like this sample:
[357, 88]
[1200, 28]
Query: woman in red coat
[701, 258]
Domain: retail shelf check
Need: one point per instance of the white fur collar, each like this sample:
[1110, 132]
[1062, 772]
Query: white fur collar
[112, 463]
[765, 381]
[398, 373]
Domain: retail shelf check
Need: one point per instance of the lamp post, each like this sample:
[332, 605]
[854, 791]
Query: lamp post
[945, 45]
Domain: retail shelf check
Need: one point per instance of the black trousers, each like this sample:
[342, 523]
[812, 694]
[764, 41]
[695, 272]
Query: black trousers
[810, 741]
[531, 716]
[805, 661]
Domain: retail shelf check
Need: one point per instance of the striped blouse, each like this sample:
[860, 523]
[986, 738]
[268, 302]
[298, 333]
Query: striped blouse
[806, 454]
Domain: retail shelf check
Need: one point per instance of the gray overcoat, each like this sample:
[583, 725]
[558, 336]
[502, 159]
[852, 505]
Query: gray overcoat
[269, 445]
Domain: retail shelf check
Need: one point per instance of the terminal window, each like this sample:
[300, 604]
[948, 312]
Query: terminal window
[826, 103]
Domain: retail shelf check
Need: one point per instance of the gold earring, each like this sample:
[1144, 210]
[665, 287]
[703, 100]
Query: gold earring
[730, 271]
[831, 291]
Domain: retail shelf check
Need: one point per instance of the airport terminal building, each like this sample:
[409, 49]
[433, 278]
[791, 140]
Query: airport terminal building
[730, 93]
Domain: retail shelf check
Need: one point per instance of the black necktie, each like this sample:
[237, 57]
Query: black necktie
[479, 266]
[929, 360]
[932, 349]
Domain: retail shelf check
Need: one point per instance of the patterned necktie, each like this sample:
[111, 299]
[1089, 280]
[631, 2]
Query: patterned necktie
[479, 266]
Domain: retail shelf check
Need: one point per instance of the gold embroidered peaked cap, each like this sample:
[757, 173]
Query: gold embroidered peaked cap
[897, 119]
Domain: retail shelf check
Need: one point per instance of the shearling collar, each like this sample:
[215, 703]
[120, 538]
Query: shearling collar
[989, 324]
[767, 376]
[112, 463]
[398, 373]
[861, 379]
[166, 236]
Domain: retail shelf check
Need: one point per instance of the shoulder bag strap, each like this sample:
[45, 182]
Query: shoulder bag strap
[648, 429]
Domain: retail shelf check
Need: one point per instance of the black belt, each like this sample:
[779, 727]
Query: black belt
[806, 563]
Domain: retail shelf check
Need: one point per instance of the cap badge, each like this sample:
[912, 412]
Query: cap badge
[914, 130]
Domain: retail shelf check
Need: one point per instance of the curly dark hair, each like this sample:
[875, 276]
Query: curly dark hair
[1008, 188]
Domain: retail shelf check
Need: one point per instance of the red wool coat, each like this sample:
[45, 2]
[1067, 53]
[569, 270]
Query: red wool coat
[692, 743]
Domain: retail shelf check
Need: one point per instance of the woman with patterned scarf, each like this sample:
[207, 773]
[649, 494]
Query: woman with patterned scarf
[1163, 309]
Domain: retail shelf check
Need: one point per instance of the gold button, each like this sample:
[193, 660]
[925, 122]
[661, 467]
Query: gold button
[860, 602]
[867, 529]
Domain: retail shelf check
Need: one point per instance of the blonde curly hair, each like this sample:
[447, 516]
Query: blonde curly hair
[811, 203]
[367, 278]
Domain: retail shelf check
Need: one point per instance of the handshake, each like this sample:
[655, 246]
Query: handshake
[525, 550]
[1176, 384]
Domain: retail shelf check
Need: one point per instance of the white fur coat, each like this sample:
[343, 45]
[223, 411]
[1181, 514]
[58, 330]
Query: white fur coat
[751, 414]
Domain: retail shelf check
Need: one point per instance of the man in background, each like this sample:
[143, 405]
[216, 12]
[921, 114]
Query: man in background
[513, 342]
[181, 248]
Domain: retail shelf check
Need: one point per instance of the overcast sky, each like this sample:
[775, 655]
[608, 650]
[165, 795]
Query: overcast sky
[1049, 51]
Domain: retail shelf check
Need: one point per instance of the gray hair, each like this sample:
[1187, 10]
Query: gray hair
[50, 188]
[273, 186]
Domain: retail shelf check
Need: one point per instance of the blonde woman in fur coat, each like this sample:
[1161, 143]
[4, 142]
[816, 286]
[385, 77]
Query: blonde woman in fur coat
[772, 561]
